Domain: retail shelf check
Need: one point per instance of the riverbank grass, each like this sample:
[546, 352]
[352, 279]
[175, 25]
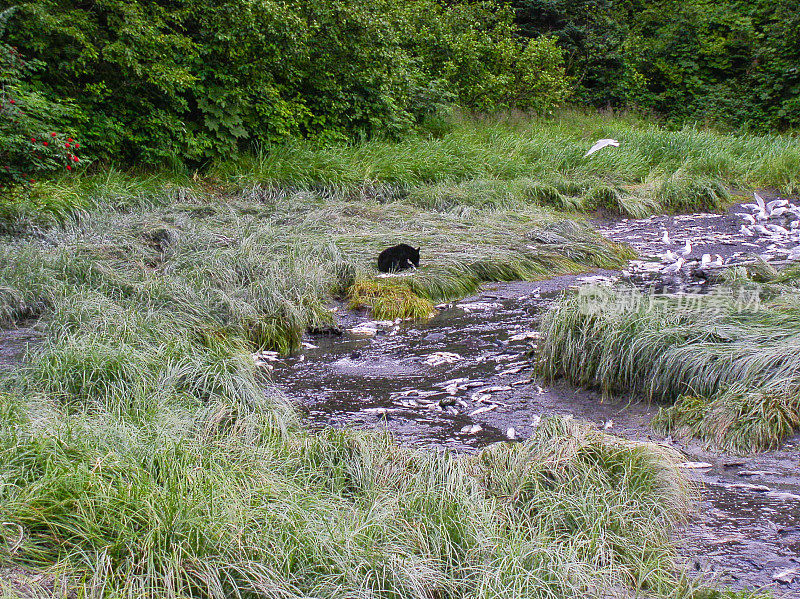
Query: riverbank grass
[168, 508]
[726, 361]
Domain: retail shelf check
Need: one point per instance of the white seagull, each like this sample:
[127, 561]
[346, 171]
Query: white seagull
[778, 212]
[775, 204]
[718, 261]
[665, 238]
[705, 260]
[687, 249]
[777, 229]
[762, 208]
[746, 231]
[670, 256]
[749, 218]
[675, 267]
[600, 144]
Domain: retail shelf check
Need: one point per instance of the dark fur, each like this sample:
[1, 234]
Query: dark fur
[398, 257]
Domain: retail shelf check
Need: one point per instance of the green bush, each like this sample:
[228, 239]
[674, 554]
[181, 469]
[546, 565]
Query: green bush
[197, 81]
[31, 144]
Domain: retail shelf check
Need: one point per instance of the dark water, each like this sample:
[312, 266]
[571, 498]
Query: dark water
[14, 343]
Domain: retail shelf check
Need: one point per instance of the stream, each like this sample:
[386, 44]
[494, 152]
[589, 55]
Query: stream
[462, 380]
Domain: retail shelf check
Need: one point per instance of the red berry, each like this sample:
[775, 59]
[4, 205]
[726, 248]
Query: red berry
[75, 158]
[33, 139]
[67, 145]
[69, 139]
[77, 146]
[44, 143]
[32, 181]
[12, 101]
[69, 168]
[52, 135]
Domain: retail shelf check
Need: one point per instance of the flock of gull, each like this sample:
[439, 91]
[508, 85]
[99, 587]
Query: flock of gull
[776, 223]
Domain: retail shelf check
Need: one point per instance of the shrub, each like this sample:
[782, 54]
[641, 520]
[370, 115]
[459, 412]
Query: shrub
[30, 145]
[200, 81]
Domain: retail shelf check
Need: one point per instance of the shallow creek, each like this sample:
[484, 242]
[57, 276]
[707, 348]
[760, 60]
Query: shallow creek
[462, 381]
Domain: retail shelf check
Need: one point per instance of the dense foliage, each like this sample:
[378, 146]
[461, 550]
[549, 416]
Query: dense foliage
[185, 80]
[29, 144]
[730, 61]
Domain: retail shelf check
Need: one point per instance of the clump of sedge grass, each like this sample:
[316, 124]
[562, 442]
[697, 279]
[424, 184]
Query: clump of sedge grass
[730, 359]
[388, 299]
[736, 419]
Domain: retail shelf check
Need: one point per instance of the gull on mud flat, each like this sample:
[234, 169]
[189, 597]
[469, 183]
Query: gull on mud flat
[665, 238]
[748, 218]
[771, 206]
[761, 229]
[705, 260]
[687, 248]
[669, 256]
[673, 269]
[777, 229]
[718, 260]
[762, 208]
[778, 212]
[600, 144]
[747, 231]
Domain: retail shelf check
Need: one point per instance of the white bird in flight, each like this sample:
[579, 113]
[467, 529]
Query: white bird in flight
[600, 144]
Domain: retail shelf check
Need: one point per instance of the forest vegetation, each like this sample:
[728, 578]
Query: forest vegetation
[184, 183]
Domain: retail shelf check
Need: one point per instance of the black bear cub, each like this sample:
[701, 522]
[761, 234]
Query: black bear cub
[398, 257]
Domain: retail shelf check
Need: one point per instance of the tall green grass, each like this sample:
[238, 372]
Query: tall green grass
[161, 511]
[527, 152]
[730, 359]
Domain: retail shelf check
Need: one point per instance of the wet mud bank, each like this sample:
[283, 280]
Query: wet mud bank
[14, 343]
[462, 380]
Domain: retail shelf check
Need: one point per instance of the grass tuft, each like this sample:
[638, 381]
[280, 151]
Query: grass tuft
[389, 299]
[737, 419]
[730, 359]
